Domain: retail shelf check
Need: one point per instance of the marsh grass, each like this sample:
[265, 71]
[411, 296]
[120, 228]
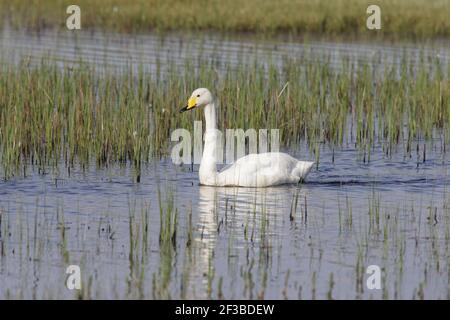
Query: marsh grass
[75, 116]
[168, 217]
[339, 17]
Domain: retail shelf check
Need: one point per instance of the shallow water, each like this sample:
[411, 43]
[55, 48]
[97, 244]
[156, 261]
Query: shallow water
[155, 52]
[309, 241]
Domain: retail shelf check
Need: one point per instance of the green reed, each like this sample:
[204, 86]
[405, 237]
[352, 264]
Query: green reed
[400, 18]
[76, 116]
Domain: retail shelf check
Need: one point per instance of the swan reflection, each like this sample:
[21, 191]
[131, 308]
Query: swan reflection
[228, 219]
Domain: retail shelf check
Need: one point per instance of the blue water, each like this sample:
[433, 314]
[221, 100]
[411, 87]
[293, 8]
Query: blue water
[308, 241]
[276, 242]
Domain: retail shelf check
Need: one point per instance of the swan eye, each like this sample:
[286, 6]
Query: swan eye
[198, 96]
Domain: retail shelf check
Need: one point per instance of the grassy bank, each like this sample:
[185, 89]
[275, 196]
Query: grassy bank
[48, 113]
[413, 18]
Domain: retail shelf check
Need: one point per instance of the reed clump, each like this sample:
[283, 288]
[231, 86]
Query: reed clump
[400, 18]
[76, 116]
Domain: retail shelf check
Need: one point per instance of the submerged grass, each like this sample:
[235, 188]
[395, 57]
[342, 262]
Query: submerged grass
[77, 114]
[339, 17]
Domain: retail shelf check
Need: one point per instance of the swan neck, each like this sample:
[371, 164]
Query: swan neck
[210, 116]
[208, 170]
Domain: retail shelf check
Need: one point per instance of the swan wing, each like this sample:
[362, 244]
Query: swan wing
[257, 170]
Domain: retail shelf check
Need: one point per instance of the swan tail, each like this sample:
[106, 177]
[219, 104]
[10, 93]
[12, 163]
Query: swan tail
[302, 169]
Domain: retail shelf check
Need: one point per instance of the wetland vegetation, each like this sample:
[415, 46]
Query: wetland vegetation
[48, 113]
[402, 18]
[87, 179]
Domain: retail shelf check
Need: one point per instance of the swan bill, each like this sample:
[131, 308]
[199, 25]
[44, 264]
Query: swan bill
[184, 109]
[192, 103]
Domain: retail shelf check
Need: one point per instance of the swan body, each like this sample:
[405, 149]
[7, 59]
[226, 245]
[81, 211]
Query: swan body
[254, 170]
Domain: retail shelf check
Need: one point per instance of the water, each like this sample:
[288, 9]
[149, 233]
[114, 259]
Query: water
[154, 52]
[276, 242]
[314, 240]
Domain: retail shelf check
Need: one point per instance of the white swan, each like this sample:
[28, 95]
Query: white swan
[253, 170]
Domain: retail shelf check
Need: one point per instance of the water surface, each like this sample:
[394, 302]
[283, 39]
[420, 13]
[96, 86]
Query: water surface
[311, 241]
[314, 240]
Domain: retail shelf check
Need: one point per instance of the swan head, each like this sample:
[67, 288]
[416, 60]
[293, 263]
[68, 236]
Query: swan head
[199, 98]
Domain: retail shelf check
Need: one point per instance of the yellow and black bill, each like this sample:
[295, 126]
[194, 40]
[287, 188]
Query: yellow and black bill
[192, 103]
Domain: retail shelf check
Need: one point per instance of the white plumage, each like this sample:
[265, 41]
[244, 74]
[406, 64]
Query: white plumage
[253, 170]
